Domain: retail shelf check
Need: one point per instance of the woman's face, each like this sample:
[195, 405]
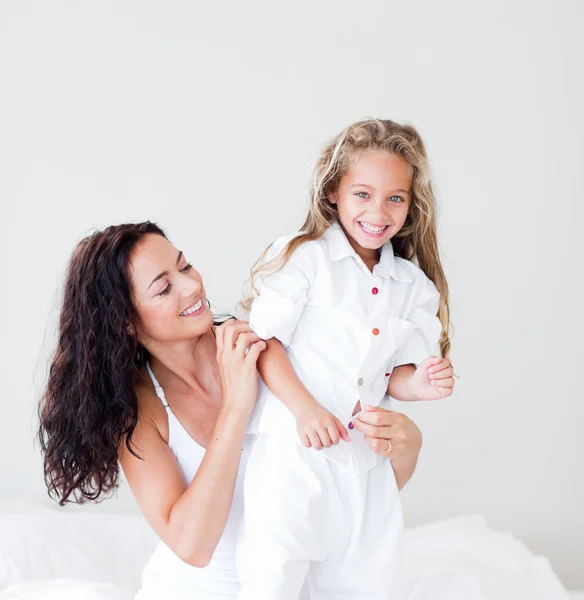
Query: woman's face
[168, 293]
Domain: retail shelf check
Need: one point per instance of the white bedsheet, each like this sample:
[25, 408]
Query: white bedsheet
[52, 555]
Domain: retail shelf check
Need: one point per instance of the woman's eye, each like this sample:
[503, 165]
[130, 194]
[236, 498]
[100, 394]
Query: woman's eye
[362, 195]
[396, 199]
[166, 290]
[186, 269]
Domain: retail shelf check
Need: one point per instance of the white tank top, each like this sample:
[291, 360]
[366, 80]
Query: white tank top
[165, 575]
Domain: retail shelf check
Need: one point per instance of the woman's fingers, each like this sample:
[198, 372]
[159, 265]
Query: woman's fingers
[381, 446]
[243, 341]
[379, 417]
[255, 350]
[373, 430]
[232, 330]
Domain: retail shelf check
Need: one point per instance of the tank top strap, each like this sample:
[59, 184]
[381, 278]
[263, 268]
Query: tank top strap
[157, 387]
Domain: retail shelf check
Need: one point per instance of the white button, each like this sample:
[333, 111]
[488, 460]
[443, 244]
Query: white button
[360, 381]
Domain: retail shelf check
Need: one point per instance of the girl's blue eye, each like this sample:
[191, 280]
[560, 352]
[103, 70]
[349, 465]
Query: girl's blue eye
[362, 195]
[396, 199]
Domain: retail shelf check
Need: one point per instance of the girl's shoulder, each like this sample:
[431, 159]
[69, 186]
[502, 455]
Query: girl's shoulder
[412, 273]
[306, 249]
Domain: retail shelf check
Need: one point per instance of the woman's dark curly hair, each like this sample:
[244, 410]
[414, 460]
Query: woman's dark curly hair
[89, 406]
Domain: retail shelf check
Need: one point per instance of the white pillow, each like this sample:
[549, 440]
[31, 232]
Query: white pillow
[64, 589]
[74, 545]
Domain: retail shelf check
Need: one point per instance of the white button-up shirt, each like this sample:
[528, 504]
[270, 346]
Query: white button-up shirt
[344, 327]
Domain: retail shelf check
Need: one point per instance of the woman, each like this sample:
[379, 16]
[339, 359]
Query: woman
[144, 377]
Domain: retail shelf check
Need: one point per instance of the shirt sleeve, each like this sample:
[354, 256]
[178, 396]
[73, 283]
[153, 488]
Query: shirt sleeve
[282, 295]
[423, 340]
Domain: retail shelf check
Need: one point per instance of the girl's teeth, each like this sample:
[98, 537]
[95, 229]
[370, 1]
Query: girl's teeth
[193, 309]
[370, 229]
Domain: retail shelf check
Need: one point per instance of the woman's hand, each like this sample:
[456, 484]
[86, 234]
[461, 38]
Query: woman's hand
[238, 349]
[389, 434]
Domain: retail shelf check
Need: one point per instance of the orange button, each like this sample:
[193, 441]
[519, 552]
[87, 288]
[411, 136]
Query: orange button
[376, 331]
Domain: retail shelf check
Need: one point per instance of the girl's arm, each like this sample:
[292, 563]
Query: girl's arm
[317, 427]
[278, 374]
[432, 380]
[190, 517]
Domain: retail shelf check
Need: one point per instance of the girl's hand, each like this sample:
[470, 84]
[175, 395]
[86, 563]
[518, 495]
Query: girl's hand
[318, 428]
[238, 349]
[433, 379]
[389, 434]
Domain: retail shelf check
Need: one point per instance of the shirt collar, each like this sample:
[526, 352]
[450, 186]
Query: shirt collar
[340, 248]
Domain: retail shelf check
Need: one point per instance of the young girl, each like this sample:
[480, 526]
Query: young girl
[349, 318]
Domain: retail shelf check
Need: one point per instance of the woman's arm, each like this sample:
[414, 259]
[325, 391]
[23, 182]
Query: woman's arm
[191, 518]
[381, 426]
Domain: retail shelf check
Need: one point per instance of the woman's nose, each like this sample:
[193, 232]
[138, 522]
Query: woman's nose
[190, 286]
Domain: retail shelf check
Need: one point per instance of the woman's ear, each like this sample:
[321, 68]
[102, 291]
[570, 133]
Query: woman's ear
[131, 330]
[332, 198]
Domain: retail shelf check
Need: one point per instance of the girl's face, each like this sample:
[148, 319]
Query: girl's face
[168, 294]
[373, 200]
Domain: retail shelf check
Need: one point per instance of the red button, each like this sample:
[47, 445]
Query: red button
[375, 291]
[387, 374]
[376, 331]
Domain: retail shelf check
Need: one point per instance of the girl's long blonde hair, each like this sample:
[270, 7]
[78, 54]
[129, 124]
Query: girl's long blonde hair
[416, 241]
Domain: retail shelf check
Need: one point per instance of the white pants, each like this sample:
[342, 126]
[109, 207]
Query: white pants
[333, 529]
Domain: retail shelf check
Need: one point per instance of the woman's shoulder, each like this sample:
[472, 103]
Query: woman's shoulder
[151, 412]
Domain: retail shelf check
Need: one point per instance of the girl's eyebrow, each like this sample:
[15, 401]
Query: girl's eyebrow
[372, 188]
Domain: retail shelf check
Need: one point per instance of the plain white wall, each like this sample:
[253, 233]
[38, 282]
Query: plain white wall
[207, 116]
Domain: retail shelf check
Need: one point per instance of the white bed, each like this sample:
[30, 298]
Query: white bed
[61, 555]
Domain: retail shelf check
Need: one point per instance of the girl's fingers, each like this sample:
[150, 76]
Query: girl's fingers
[342, 431]
[444, 383]
[447, 372]
[305, 440]
[314, 440]
[324, 436]
[334, 434]
[439, 365]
